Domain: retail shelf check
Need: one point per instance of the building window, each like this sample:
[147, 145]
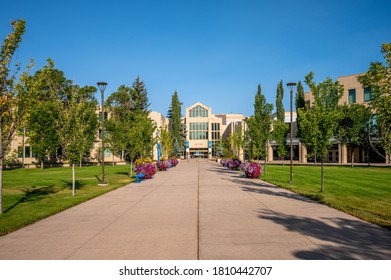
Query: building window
[199, 131]
[367, 94]
[107, 152]
[27, 151]
[198, 112]
[352, 96]
[100, 115]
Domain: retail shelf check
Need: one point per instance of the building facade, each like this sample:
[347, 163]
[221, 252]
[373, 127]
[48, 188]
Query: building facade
[354, 93]
[21, 151]
[206, 130]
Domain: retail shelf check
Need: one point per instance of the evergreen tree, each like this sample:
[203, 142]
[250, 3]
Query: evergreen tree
[174, 114]
[139, 96]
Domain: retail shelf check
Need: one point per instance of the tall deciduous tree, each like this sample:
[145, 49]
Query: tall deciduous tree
[353, 126]
[259, 125]
[300, 104]
[320, 121]
[378, 79]
[166, 141]
[77, 125]
[280, 129]
[14, 98]
[50, 86]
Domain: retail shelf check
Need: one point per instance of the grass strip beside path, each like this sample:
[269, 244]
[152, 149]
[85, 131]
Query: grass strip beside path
[32, 194]
[364, 192]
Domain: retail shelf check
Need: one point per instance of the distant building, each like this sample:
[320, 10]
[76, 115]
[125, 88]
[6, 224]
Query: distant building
[206, 130]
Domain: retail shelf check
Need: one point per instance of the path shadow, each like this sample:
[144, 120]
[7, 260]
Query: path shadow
[33, 194]
[342, 239]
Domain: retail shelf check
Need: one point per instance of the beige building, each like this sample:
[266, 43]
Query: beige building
[205, 130]
[22, 152]
[353, 93]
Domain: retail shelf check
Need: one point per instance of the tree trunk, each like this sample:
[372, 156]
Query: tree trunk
[73, 180]
[352, 157]
[41, 163]
[81, 158]
[264, 170]
[131, 168]
[322, 177]
[113, 159]
[316, 162]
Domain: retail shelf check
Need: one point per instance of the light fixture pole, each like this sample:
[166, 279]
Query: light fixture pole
[102, 87]
[291, 86]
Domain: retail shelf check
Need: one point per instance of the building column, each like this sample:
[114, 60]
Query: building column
[303, 154]
[344, 154]
[269, 153]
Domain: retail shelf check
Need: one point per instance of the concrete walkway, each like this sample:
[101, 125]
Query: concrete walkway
[199, 210]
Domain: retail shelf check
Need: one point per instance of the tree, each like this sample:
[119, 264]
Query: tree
[353, 126]
[129, 127]
[43, 136]
[139, 96]
[49, 85]
[14, 98]
[166, 141]
[174, 114]
[280, 129]
[321, 120]
[300, 104]
[259, 125]
[77, 124]
[378, 79]
[236, 141]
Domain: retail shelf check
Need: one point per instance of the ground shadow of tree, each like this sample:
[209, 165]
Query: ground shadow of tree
[34, 193]
[78, 184]
[336, 237]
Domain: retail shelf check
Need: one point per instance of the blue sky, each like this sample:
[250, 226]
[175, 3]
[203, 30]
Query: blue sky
[215, 52]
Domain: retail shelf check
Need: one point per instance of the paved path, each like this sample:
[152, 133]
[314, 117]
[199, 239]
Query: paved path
[199, 210]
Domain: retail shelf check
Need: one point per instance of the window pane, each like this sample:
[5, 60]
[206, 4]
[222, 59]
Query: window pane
[27, 151]
[352, 96]
[367, 94]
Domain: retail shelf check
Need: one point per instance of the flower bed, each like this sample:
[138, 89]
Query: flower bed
[162, 165]
[251, 169]
[148, 169]
[173, 161]
[233, 164]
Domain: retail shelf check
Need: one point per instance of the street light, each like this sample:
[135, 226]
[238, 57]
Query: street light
[102, 87]
[291, 87]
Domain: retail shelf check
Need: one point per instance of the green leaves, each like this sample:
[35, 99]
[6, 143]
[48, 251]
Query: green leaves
[378, 79]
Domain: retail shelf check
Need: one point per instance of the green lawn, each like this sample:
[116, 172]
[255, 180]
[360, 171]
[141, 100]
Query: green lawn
[364, 192]
[32, 194]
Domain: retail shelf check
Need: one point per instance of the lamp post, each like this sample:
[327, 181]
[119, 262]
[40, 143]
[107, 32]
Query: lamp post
[291, 87]
[102, 87]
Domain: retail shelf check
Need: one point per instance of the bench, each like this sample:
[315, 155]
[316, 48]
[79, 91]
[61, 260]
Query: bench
[139, 177]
